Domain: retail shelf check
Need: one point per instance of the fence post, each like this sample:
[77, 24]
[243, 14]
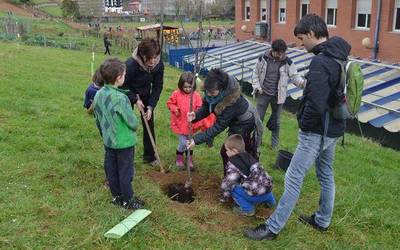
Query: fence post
[242, 69]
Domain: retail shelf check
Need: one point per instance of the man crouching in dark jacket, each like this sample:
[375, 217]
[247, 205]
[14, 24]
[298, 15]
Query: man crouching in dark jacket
[322, 78]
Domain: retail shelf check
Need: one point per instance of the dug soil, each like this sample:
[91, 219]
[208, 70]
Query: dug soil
[206, 210]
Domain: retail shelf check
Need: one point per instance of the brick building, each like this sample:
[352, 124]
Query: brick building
[354, 20]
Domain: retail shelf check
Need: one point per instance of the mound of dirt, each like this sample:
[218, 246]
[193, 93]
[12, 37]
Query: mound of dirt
[206, 210]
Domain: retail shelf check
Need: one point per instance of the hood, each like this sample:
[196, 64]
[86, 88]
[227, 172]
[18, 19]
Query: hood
[243, 161]
[137, 58]
[233, 86]
[230, 95]
[268, 55]
[335, 47]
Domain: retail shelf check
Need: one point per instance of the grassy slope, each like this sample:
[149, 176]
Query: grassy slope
[52, 30]
[52, 10]
[51, 172]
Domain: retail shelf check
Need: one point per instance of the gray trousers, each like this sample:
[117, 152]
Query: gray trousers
[182, 143]
[263, 101]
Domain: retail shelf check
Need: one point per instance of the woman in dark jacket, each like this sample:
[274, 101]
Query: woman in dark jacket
[223, 98]
[144, 77]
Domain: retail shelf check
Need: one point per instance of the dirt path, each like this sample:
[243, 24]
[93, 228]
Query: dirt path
[206, 209]
[5, 6]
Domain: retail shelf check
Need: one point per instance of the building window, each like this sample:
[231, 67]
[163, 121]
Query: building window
[363, 18]
[304, 7]
[282, 11]
[263, 10]
[247, 10]
[331, 12]
[396, 21]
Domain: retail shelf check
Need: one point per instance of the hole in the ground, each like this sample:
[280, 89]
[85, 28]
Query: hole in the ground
[178, 192]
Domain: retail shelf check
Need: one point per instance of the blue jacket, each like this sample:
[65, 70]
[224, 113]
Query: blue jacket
[318, 96]
[89, 95]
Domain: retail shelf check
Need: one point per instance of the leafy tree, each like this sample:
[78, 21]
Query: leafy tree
[222, 8]
[70, 8]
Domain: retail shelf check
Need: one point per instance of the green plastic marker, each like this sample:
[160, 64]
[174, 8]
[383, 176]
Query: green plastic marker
[124, 226]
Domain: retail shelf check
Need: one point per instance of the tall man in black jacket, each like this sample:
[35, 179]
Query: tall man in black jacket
[145, 77]
[314, 121]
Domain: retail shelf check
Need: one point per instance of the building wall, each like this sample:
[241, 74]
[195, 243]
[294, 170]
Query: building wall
[389, 41]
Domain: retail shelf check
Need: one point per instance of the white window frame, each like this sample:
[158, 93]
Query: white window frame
[331, 4]
[282, 6]
[247, 5]
[306, 2]
[263, 5]
[364, 12]
[396, 9]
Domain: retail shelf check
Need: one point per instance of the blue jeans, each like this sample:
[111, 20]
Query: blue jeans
[306, 154]
[247, 202]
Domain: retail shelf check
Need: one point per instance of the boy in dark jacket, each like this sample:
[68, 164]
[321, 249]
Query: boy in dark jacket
[118, 124]
[245, 180]
[318, 130]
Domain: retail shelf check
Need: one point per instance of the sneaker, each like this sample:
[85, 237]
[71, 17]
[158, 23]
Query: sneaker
[117, 200]
[311, 221]
[260, 232]
[134, 203]
[239, 211]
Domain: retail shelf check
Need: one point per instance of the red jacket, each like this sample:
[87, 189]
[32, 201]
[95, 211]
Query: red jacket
[180, 101]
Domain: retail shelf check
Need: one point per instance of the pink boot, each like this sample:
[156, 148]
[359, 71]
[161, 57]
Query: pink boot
[190, 160]
[179, 160]
[191, 163]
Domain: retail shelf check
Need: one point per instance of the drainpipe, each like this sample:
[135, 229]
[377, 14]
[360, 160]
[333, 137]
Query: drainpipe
[377, 28]
[270, 21]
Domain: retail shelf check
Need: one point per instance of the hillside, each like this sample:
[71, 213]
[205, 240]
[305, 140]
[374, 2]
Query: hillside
[52, 175]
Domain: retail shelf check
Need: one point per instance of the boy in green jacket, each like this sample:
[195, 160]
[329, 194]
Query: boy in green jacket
[118, 124]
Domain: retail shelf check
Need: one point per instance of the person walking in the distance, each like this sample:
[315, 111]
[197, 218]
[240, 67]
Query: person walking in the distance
[318, 130]
[271, 78]
[107, 45]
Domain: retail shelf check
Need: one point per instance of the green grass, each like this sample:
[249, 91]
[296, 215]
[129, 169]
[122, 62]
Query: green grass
[51, 173]
[52, 10]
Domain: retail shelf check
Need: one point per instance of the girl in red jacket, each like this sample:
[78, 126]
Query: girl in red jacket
[178, 104]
